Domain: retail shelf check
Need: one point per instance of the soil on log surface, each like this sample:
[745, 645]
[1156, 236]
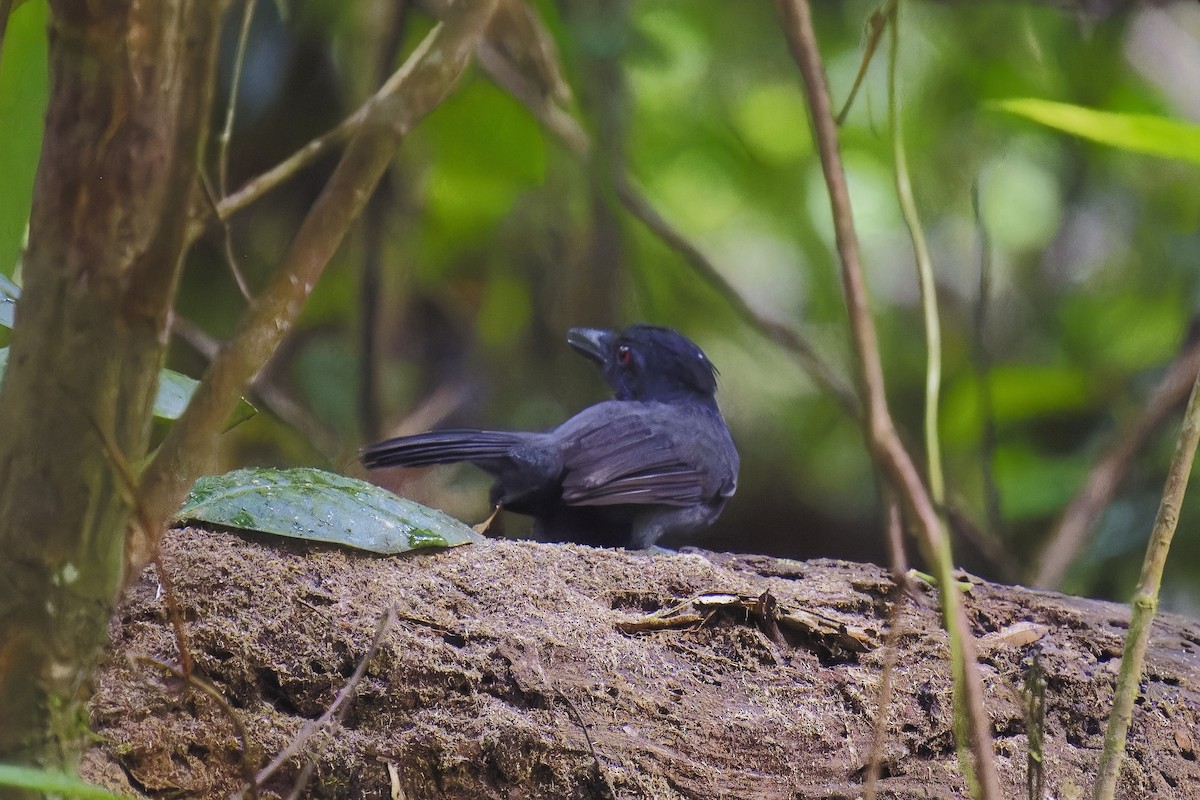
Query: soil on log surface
[525, 670]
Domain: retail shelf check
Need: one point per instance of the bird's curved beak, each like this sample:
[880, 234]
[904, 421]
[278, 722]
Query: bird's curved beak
[592, 343]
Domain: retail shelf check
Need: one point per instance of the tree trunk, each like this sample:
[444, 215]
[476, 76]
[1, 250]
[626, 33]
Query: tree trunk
[130, 98]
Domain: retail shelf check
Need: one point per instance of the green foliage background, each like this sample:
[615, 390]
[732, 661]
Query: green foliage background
[493, 239]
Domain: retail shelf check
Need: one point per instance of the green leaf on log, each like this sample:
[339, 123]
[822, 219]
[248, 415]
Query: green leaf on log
[315, 505]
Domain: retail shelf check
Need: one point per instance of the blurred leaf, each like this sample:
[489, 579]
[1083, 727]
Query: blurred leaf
[1019, 393]
[484, 152]
[1036, 485]
[58, 783]
[1124, 331]
[506, 310]
[773, 121]
[1139, 133]
[326, 375]
[1029, 391]
[320, 506]
[1021, 202]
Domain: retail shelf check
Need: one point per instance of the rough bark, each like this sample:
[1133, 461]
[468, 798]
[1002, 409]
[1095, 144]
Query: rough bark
[508, 674]
[131, 86]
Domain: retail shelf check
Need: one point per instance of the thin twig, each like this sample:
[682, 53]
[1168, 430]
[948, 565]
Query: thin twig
[894, 526]
[587, 737]
[1033, 703]
[336, 710]
[933, 329]
[226, 135]
[196, 682]
[891, 655]
[933, 348]
[1145, 599]
[875, 25]
[210, 194]
[882, 438]
[285, 170]
[1086, 508]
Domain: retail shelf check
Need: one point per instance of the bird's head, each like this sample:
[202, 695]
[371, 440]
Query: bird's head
[645, 362]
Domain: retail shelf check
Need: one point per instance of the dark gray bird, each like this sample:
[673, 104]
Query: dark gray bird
[655, 460]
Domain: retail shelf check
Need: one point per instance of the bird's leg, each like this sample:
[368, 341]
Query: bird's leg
[485, 527]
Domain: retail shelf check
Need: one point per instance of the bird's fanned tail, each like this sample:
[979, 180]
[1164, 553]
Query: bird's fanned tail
[441, 447]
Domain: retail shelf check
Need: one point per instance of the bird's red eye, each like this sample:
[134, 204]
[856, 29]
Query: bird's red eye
[624, 355]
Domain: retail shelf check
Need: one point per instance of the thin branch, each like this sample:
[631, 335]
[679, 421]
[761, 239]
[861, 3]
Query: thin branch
[933, 329]
[1145, 599]
[891, 655]
[882, 438]
[285, 170]
[568, 130]
[210, 194]
[226, 135]
[1086, 508]
[875, 25]
[196, 682]
[429, 75]
[587, 737]
[1033, 702]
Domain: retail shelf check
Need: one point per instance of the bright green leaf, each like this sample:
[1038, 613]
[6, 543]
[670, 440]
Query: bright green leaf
[24, 93]
[1139, 133]
[320, 506]
[59, 783]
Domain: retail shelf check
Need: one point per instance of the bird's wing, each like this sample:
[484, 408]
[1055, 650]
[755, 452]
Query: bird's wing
[628, 459]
